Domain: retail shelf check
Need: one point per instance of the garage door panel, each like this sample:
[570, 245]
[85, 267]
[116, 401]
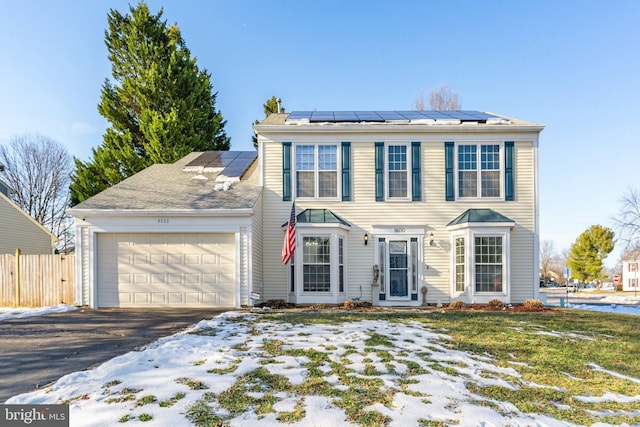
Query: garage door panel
[226, 298]
[158, 298]
[141, 298]
[166, 270]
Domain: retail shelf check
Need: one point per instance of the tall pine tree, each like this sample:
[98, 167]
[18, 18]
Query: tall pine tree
[160, 105]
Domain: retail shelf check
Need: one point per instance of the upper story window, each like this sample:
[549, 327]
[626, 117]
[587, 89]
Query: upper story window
[397, 175]
[316, 171]
[479, 171]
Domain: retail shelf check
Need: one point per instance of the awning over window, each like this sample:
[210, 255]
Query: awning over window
[319, 216]
[481, 216]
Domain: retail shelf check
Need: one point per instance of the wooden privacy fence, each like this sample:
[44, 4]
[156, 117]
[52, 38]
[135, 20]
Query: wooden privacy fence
[37, 280]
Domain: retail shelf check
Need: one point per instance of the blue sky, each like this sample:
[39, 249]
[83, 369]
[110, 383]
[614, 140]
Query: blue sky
[570, 65]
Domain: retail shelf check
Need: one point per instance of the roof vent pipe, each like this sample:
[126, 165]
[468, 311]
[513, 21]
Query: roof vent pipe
[278, 100]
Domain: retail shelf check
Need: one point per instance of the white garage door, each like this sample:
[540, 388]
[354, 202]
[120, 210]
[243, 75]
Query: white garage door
[164, 270]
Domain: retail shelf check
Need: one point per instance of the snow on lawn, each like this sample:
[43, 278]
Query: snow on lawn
[237, 359]
[10, 313]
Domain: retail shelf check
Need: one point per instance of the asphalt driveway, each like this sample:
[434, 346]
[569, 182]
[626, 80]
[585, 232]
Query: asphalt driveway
[35, 351]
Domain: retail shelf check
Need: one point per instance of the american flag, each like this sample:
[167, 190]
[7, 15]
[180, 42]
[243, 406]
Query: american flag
[289, 245]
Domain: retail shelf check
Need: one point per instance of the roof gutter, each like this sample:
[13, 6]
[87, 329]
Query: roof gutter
[159, 212]
[383, 127]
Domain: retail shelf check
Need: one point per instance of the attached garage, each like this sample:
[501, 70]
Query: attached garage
[164, 270]
[173, 236]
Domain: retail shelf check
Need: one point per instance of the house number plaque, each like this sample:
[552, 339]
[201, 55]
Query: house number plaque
[163, 220]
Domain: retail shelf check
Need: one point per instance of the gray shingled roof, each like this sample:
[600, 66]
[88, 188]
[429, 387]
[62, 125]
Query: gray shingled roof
[167, 186]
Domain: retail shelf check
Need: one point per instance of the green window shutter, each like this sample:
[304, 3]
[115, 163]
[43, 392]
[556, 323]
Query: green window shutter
[286, 171]
[346, 171]
[416, 176]
[508, 171]
[448, 171]
[379, 171]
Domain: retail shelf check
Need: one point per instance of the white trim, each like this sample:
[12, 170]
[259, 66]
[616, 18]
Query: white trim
[84, 213]
[333, 296]
[509, 224]
[385, 127]
[387, 171]
[79, 256]
[536, 217]
[407, 235]
[395, 230]
[456, 178]
[316, 171]
[470, 233]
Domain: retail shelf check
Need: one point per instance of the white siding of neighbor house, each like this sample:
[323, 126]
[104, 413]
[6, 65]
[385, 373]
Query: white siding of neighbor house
[433, 213]
[19, 230]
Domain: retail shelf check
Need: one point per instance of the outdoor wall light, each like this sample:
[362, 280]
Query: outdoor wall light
[366, 239]
[431, 240]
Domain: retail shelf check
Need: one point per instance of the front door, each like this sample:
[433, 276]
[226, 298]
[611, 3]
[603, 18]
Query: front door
[398, 260]
[398, 270]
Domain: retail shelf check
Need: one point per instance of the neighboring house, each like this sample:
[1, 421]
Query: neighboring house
[18, 230]
[391, 204]
[185, 234]
[631, 275]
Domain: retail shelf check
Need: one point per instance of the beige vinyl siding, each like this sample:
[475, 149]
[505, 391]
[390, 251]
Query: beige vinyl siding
[18, 230]
[433, 213]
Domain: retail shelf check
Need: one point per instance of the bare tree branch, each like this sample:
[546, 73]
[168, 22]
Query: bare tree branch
[444, 99]
[627, 221]
[38, 168]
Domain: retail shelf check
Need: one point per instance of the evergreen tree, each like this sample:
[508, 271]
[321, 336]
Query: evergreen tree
[270, 107]
[160, 105]
[588, 252]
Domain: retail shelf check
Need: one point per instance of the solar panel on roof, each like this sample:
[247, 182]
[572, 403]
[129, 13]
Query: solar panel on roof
[322, 116]
[391, 115]
[381, 116]
[297, 115]
[239, 165]
[205, 159]
[369, 116]
[345, 116]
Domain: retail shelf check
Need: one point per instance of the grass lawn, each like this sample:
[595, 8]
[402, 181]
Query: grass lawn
[575, 366]
[370, 368]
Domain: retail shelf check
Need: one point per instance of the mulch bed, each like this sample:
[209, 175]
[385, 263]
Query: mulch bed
[366, 306]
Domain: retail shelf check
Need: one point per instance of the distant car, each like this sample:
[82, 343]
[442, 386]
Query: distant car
[551, 284]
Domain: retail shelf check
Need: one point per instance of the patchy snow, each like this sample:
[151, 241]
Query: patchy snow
[11, 313]
[180, 370]
[219, 351]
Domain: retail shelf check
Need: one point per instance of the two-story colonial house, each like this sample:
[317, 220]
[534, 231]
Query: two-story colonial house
[396, 206]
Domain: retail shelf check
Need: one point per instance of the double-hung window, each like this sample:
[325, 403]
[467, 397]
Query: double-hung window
[316, 171]
[397, 172]
[459, 264]
[479, 172]
[316, 263]
[489, 265]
